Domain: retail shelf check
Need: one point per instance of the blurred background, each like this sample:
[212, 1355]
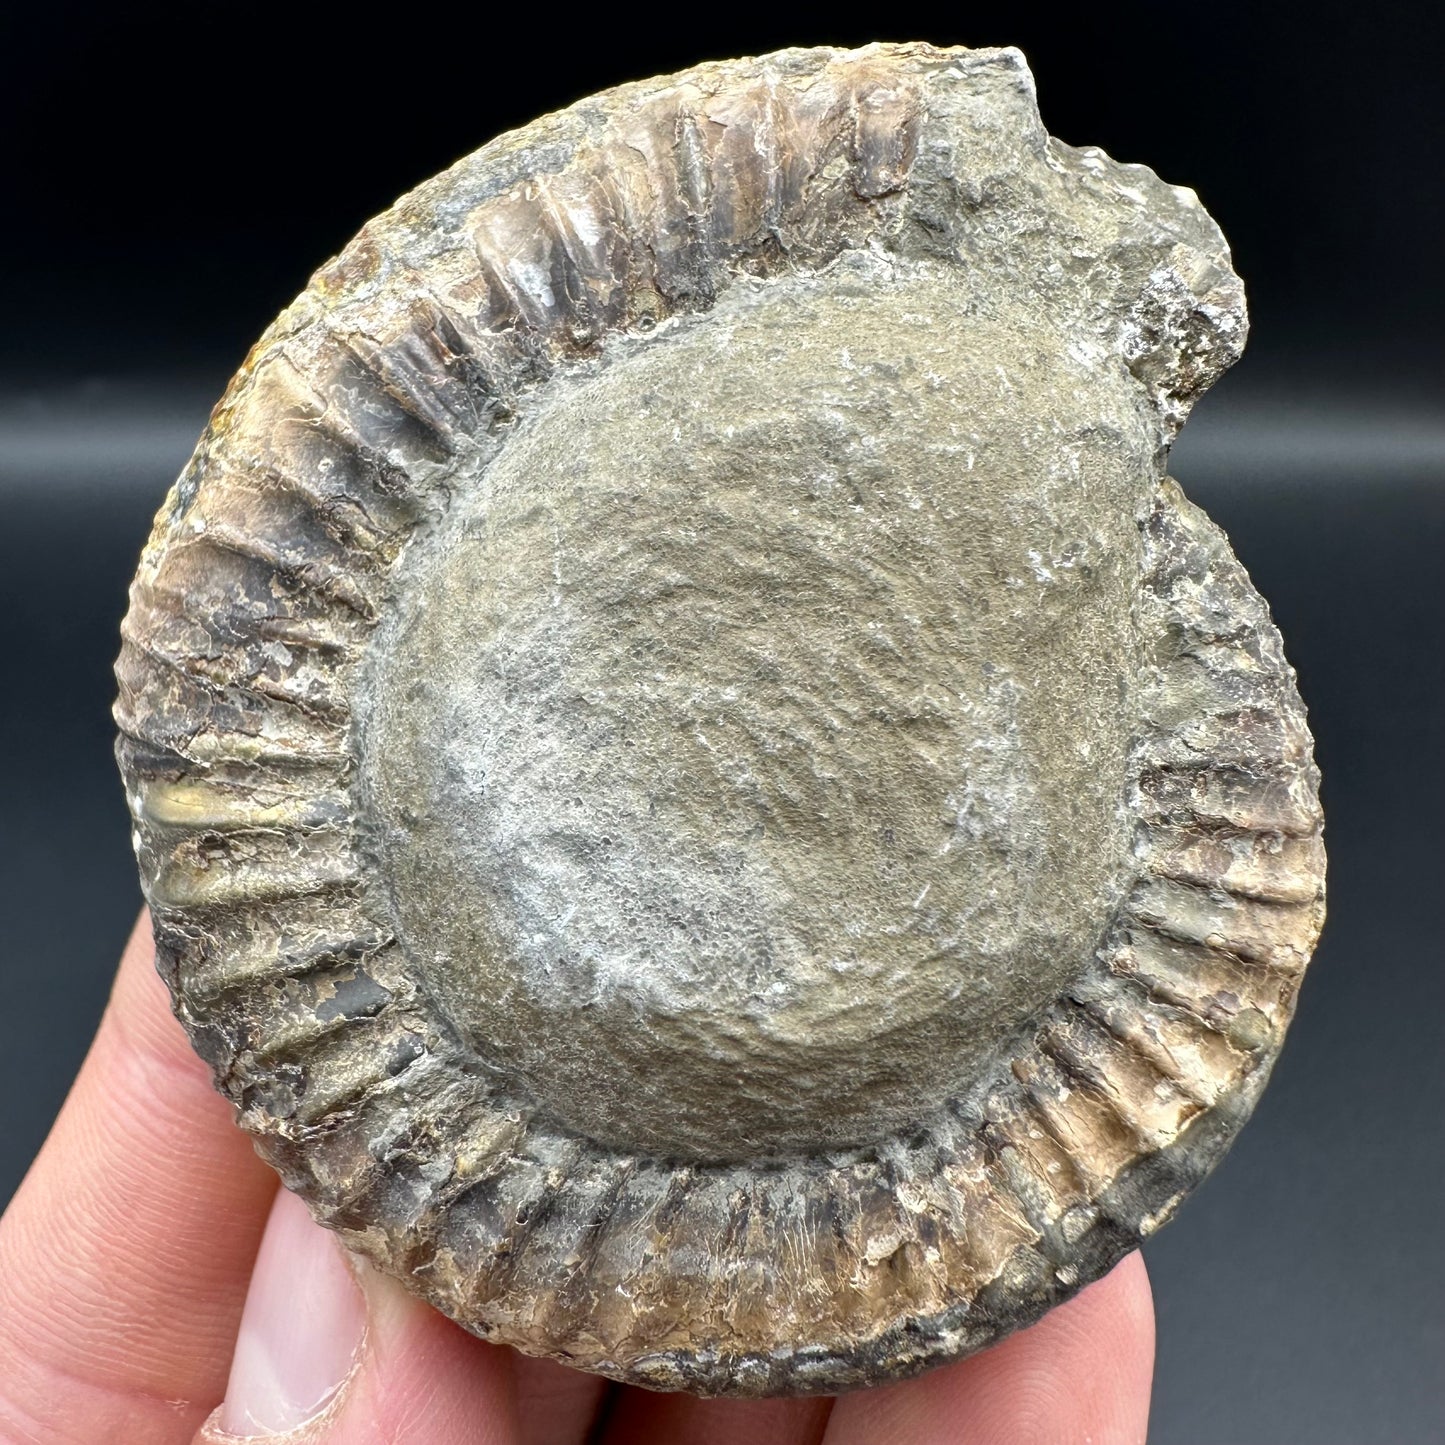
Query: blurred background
[171, 175]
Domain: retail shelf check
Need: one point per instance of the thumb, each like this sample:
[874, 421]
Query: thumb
[332, 1353]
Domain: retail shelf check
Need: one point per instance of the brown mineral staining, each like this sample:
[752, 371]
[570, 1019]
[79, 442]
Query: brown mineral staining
[704, 797]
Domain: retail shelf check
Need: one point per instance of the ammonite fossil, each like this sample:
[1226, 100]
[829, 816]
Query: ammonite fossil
[703, 796]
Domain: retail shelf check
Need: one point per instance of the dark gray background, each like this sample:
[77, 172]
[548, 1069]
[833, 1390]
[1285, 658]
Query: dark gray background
[171, 176]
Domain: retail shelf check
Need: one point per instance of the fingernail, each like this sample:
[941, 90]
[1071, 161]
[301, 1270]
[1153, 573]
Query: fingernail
[300, 1331]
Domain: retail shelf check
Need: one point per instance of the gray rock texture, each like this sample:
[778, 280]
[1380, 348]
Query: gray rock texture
[701, 793]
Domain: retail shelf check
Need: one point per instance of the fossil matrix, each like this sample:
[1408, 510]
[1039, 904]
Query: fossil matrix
[703, 796]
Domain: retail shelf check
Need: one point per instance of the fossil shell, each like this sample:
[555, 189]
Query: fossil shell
[702, 795]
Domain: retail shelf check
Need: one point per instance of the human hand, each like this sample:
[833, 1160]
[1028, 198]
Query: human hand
[150, 1269]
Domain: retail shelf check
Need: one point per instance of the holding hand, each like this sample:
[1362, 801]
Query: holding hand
[157, 1289]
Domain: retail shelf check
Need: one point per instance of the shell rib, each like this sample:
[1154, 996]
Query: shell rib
[259, 670]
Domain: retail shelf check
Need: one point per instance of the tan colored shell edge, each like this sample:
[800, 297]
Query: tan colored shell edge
[255, 602]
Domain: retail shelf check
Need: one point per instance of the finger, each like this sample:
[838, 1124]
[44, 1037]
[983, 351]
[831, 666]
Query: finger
[641, 1418]
[1082, 1373]
[555, 1405]
[331, 1353]
[124, 1256]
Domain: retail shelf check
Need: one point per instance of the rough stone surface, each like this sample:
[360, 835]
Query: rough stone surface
[701, 793]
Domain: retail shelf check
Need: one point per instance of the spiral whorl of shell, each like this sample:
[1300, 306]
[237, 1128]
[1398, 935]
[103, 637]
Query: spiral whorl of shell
[372, 412]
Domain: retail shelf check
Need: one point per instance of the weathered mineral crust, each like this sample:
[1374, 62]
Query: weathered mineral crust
[703, 796]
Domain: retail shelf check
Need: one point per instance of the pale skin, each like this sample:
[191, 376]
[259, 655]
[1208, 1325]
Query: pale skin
[127, 1257]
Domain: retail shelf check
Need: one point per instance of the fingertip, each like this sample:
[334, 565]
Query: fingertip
[301, 1329]
[1133, 1300]
[425, 1378]
[330, 1352]
[1084, 1371]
